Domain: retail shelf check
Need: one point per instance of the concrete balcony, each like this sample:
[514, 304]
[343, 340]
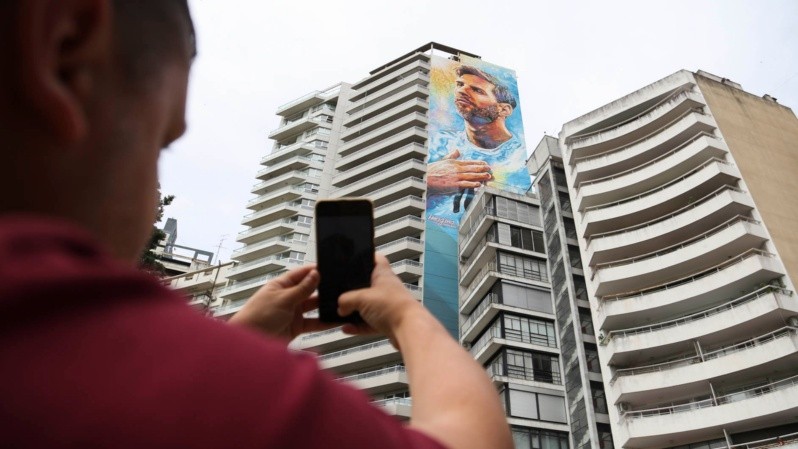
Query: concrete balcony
[379, 163]
[683, 259]
[268, 263]
[296, 163]
[638, 128]
[307, 101]
[705, 213]
[412, 186]
[329, 341]
[772, 404]
[486, 252]
[688, 377]
[405, 248]
[281, 211]
[393, 74]
[392, 92]
[399, 407]
[301, 148]
[471, 326]
[281, 196]
[409, 169]
[401, 227]
[358, 128]
[692, 126]
[360, 357]
[661, 201]
[379, 135]
[751, 314]
[493, 340]
[394, 210]
[244, 289]
[262, 249]
[472, 293]
[704, 290]
[269, 230]
[408, 93]
[288, 179]
[379, 381]
[469, 239]
[409, 271]
[649, 175]
[300, 125]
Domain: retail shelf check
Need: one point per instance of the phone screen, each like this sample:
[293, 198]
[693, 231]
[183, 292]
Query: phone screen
[344, 251]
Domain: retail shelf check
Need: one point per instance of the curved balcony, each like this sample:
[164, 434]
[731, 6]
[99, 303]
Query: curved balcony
[262, 248]
[691, 126]
[653, 173]
[413, 168]
[357, 128]
[244, 289]
[268, 263]
[394, 210]
[751, 314]
[380, 162]
[296, 163]
[288, 179]
[707, 212]
[405, 248]
[329, 340]
[377, 136]
[662, 200]
[383, 380]
[273, 213]
[300, 125]
[772, 404]
[704, 290]
[269, 230]
[306, 101]
[280, 154]
[360, 357]
[401, 227]
[683, 259]
[409, 271]
[636, 128]
[755, 357]
[399, 407]
[281, 196]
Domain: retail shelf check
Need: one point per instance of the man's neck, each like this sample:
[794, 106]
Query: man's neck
[489, 135]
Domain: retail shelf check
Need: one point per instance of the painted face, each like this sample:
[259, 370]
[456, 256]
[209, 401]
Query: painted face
[475, 99]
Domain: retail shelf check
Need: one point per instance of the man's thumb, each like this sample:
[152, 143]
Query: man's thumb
[347, 303]
[308, 284]
[453, 155]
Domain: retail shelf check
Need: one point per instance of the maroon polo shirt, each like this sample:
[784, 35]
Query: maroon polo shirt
[94, 354]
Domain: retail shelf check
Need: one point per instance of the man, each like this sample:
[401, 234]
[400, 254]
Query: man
[97, 354]
[485, 152]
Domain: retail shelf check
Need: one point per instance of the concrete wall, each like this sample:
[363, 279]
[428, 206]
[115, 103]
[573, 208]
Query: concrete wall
[763, 139]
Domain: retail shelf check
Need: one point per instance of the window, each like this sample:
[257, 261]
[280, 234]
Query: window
[552, 408]
[515, 210]
[525, 438]
[530, 405]
[522, 266]
[531, 366]
[526, 297]
[599, 398]
[529, 330]
[517, 237]
[593, 364]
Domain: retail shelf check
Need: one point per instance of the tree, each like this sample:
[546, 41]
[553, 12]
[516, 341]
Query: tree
[149, 260]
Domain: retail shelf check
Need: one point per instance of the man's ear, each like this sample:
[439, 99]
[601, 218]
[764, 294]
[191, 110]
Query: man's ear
[505, 110]
[63, 45]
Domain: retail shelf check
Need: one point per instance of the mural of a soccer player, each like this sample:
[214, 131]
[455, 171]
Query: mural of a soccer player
[486, 151]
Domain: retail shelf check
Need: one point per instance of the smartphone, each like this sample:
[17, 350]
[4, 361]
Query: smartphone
[344, 252]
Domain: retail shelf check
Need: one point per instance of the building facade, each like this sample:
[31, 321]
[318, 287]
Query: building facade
[683, 203]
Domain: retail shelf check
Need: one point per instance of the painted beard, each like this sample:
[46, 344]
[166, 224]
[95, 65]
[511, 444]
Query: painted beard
[481, 116]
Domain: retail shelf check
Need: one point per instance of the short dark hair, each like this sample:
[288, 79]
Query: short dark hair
[147, 31]
[501, 91]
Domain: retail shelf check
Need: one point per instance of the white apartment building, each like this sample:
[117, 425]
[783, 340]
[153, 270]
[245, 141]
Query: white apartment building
[683, 196]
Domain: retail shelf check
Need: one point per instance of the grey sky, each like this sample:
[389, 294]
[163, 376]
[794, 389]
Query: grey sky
[571, 57]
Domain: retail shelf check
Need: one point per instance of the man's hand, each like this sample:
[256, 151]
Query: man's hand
[277, 308]
[450, 175]
[383, 306]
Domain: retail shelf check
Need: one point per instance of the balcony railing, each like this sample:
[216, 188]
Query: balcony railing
[697, 316]
[488, 210]
[670, 249]
[647, 163]
[389, 186]
[717, 401]
[497, 368]
[410, 263]
[370, 374]
[398, 242]
[355, 350]
[271, 225]
[782, 440]
[412, 198]
[468, 323]
[394, 401]
[382, 172]
[660, 188]
[709, 355]
[646, 224]
[261, 279]
[393, 222]
[508, 270]
[687, 279]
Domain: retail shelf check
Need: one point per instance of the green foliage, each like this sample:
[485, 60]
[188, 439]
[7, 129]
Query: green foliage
[149, 260]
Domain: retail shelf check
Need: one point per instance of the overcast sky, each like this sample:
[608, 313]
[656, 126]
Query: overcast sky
[571, 58]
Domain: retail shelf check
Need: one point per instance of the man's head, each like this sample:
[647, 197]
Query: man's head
[481, 98]
[90, 92]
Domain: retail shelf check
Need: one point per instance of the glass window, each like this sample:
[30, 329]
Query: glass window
[523, 404]
[515, 210]
[552, 408]
[526, 298]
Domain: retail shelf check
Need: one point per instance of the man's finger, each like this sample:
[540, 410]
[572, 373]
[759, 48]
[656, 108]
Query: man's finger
[453, 155]
[307, 285]
[293, 277]
[311, 303]
[357, 329]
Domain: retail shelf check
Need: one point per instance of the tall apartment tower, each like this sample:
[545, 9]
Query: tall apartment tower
[586, 398]
[683, 197]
